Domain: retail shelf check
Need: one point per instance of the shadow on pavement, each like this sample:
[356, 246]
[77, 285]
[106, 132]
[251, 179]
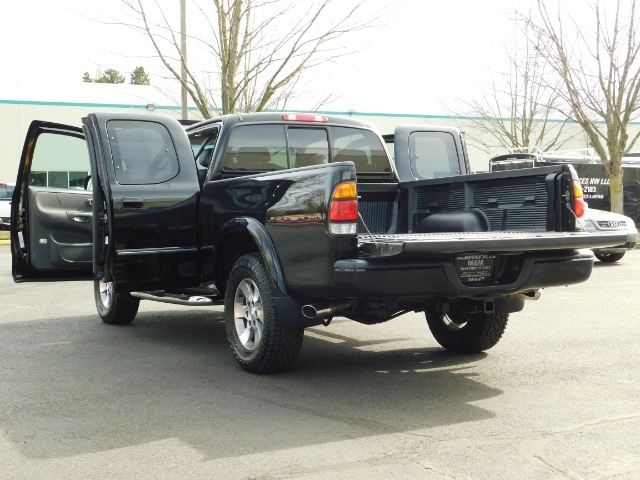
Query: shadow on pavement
[74, 385]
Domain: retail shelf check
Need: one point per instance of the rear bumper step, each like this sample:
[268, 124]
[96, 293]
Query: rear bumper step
[394, 277]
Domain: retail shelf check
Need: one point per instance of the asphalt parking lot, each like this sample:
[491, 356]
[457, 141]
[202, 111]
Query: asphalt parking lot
[558, 397]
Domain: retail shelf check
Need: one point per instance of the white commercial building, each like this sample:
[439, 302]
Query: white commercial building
[21, 103]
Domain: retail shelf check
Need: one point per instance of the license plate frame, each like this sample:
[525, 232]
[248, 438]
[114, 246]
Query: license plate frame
[475, 268]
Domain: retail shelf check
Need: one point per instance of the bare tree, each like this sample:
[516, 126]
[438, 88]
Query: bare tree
[258, 61]
[518, 110]
[600, 73]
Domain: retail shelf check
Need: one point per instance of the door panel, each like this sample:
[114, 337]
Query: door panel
[61, 229]
[52, 214]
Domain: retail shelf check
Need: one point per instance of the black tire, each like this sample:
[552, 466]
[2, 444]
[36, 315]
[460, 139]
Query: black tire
[114, 308]
[467, 332]
[258, 340]
[609, 257]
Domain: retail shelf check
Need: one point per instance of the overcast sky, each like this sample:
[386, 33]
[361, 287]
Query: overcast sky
[427, 54]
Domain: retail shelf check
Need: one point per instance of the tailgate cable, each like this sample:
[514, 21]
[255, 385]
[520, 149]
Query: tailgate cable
[367, 228]
[568, 205]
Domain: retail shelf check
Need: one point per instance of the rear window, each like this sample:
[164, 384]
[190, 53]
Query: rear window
[277, 147]
[362, 147]
[257, 148]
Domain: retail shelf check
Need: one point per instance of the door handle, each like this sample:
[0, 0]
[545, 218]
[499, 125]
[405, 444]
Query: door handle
[80, 217]
[132, 202]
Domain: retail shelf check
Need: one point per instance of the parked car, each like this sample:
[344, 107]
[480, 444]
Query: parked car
[6, 192]
[600, 220]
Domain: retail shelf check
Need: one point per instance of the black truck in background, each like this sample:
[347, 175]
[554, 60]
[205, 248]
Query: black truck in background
[288, 220]
[595, 186]
[590, 171]
[433, 153]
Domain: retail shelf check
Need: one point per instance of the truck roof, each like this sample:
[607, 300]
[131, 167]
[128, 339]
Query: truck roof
[302, 118]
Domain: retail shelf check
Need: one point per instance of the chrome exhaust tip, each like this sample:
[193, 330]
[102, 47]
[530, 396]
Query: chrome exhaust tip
[323, 309]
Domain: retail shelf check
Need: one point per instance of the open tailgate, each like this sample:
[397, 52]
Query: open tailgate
[419, 244]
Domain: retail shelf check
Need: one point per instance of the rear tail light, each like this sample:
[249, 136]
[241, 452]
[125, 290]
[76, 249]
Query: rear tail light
[578, 199]
[343, 209]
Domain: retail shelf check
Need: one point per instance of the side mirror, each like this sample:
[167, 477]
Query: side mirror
[88, 184]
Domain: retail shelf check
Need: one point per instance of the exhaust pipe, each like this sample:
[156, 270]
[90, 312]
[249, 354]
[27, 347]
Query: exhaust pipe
[530, 295]
[324, 309]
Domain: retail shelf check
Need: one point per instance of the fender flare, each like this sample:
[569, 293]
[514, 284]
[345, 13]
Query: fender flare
[265, 245]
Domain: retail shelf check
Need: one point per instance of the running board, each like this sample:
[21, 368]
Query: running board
[177, 299]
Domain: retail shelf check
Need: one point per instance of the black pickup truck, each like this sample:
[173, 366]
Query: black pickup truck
[287, 220]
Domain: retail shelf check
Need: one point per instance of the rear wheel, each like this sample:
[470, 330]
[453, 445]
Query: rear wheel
[465, 332]
[258, 340]
[114, 308]
[609, 257]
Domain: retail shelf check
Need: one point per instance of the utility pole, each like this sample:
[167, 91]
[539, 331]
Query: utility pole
[183, 47]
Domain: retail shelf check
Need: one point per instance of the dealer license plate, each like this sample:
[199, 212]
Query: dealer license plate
[476, 268]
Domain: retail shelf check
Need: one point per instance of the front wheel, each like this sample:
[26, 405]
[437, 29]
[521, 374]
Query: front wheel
[465, 332]
[258, 340]
[609, 257]
[114, 308]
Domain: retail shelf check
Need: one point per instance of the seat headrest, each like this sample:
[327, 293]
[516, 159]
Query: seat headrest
[252, 155]
[309, 159]
[358, 157]
[205, 157]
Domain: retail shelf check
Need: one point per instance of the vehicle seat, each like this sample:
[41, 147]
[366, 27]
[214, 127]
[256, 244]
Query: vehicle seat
[253, 158]
[309, 159]
[358, 157]
[204, 160]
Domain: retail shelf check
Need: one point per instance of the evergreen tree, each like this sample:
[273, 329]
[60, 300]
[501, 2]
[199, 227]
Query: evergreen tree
[111, 75]
[140, 77]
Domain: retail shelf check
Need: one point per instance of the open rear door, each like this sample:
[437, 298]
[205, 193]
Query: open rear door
[114, 201]
[52, 208]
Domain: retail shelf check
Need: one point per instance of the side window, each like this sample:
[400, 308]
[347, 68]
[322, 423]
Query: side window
[308, 146]
[203, 144]
[362, 147]
[142, 152]
[391, 146]
[433, 155]
[59, 161]
[256, 147]
[6, 191]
